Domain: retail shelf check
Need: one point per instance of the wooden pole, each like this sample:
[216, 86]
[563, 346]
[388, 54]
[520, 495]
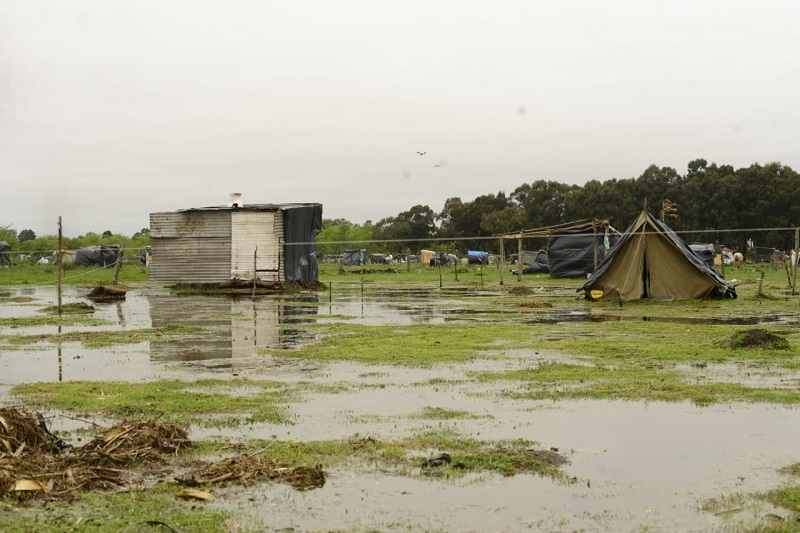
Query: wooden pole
[255, 263]
[60, 265]
[455, 268]
[519, 259]
[594, 242]
[502, 261]
[439, 265]
[796, 256]
[408, 259]
[118, 264]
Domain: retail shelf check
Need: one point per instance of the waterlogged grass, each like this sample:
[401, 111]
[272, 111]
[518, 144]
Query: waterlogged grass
[643, 342]
[133, 511]
[422, 345]
[38, 321]
[100, 339]
[438, 413]
[408, 456]
[553, 381]
[207, 403]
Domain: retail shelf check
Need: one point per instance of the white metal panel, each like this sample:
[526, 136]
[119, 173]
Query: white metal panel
[254, 242]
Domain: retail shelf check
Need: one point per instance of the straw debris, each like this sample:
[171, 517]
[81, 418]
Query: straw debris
[253, 467]
[34, 463]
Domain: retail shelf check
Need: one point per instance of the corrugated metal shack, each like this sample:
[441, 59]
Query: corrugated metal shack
[218, 244]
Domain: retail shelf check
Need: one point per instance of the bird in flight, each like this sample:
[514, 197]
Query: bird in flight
[422, 153]
[437, 165]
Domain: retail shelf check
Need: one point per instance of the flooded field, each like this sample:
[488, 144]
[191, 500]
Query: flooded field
[632, 465]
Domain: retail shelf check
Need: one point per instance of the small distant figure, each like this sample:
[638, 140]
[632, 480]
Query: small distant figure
[437, 165]
[422, 153]
[738, 260]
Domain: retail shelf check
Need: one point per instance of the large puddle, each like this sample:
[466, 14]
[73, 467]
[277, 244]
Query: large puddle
[635, 464]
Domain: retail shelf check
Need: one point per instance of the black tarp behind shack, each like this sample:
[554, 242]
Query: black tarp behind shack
[704, 252]
[97, 255]
[354, 258]
[652, 261]
[539, 265]
[5, 255]
[301, 224]
[571, 253]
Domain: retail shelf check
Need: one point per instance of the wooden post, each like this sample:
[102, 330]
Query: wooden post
[255, 263]
[439, 265]
[594, 243]
[118, 264]
[796, 256]
[408, 259]
[60, 265]
[455, 269]
[502, 261]
[519, 259]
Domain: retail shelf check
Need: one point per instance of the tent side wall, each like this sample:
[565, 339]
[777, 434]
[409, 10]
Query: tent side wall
[190, 247]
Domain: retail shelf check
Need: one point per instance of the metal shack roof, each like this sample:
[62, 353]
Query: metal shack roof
[250, 207]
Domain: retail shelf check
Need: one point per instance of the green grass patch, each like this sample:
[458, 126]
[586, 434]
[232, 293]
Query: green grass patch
[422, 345]
[100, 339]
[22, 274]
[208, 403]
[36, 321]
[131, 511]
[554, 381]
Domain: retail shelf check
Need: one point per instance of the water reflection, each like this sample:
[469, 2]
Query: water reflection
[238, 327]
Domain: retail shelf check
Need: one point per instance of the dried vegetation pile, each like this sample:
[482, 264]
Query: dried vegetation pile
[35, 463]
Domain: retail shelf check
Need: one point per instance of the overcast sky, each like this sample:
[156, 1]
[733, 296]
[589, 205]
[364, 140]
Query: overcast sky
[113, 109]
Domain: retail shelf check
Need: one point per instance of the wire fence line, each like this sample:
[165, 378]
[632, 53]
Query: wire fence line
[506, 236]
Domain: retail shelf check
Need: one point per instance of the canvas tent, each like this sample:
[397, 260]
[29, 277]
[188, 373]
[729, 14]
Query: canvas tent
[651, 261]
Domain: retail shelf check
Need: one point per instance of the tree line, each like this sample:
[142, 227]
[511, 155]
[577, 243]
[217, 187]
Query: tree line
[708, 203]
[27, 242]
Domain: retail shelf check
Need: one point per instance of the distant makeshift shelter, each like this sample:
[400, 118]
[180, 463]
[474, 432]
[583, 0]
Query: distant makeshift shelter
[704, 252]
[539, 264]
[477, 257]
[268, 242]
[651, 261]
[5, 254]
[762, 254]
[574, 249]
[102, 255]
[576, 252]
[354, 258]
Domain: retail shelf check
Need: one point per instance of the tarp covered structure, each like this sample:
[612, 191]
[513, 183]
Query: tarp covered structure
[539, 265]
[354, 257]
[652, 261]
[5, 256]
[477, 257]
[704, 252]
[301, 224]
[571, 253]
[97, 255]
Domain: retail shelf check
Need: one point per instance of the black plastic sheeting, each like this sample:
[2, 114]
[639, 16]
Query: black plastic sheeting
[301, 224]
[5, 256]
[704, 252]
[540, 265]
[354, 258]
[570, 253]
[762, 255]
[97, 255]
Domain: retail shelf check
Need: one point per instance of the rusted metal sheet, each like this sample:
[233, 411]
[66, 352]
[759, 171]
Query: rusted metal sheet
[190, 260]
[199, 224]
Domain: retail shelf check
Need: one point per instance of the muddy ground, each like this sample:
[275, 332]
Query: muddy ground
[632, 465]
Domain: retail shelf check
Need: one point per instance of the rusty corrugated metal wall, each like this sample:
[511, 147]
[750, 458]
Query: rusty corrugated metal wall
[190, 247]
